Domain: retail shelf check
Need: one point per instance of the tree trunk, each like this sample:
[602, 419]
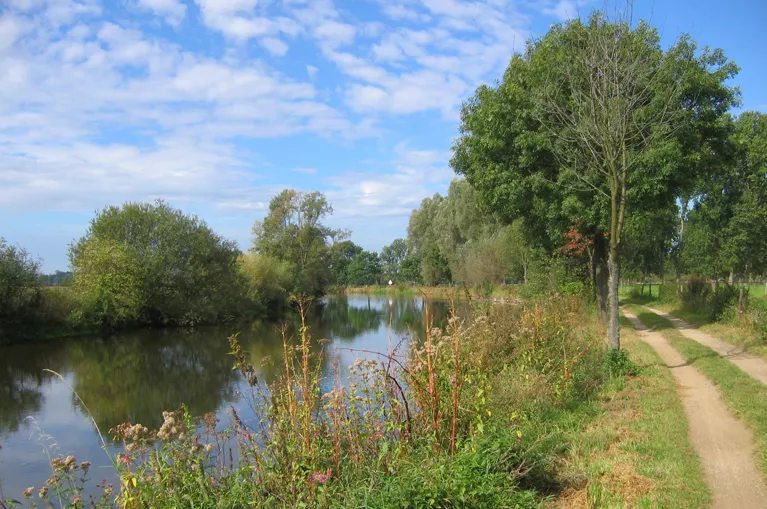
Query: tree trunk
[600, 269]
[732, 276]
[613, 326]
[681, 240]
[524, 268]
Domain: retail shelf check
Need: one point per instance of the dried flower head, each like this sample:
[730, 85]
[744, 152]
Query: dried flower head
[28, 492]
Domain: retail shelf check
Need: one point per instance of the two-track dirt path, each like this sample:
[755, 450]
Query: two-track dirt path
[725, 445]
[749, 363]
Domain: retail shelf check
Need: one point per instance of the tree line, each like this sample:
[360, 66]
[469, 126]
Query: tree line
[598, 154]
[149, 264]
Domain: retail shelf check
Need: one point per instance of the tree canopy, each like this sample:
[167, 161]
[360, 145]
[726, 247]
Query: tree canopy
[594, 122]
[150, 263]
[293, 231]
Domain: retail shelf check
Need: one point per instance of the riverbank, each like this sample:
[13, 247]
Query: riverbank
[414, 432]
[495, 293]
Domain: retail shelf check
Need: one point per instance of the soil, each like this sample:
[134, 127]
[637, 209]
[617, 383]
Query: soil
[724, 444]
[749, 363]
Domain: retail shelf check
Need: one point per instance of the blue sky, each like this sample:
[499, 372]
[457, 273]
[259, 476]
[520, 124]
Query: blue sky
[217, 105]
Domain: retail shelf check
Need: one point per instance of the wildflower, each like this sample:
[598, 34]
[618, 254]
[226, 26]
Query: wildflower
[28, 492]
[77, 499]
[208, 447]
[53, 480]
[247, 436]
[85, 465]
[69, 462]
[322, 478]
[43, 492]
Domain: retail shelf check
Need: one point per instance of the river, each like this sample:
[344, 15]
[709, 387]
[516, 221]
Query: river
[134, 376]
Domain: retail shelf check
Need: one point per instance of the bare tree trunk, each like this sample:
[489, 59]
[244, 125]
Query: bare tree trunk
[613, 326]
[601, 276]
[732, 276]
[524, 268]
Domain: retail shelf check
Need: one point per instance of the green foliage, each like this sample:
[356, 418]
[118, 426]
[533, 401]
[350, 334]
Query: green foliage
[413, 435]
[341, 255]
[293, 232]
[19, 288]
[269, 280]
[58, 278]
[457, 241]
[364, 269]
[696, 293]
[151, 264]
[723, 301]
[618, 364]
[727, 226]
[573, 288]
[668, 293]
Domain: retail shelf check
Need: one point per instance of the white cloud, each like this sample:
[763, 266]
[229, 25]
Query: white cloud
[172, 10]
[415, 174]
[311, 71]
[274, 46]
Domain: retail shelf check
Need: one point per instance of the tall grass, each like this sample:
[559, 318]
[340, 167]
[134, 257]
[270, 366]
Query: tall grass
[474, 415]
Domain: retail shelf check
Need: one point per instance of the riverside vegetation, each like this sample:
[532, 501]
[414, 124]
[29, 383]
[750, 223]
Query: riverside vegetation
[475, 415]
[598, 154]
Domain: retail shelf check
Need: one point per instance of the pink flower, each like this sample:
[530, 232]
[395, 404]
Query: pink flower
[322, 478]
[125, 458]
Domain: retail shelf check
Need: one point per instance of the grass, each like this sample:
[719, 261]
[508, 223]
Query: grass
[743, 395]
[733, 331]
[500, 292]
[518, 407]
[637, 452]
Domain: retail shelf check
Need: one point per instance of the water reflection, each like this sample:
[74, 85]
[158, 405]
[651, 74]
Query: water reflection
[136, 375]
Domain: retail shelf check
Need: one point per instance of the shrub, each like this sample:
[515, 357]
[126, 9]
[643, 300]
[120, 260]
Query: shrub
[723, 302]
[573, 288]
[668, 293]
[696, 294]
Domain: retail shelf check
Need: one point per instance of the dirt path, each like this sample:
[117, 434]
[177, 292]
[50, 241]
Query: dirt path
[749, 363]
[724, 444]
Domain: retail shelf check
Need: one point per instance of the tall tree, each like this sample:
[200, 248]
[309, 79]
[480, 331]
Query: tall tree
[293, 231]
[364, 269]
[585, 126]
[393, 256]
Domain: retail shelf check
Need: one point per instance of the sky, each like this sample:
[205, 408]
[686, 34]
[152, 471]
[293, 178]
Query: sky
[217, 105]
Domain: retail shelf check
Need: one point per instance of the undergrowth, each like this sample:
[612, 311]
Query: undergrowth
[474, 415]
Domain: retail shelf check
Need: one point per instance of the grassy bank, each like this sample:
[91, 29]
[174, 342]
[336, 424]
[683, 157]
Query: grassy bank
[477, 416]
[747, 330]
[636, 452]
[495, 292]
[744, 396]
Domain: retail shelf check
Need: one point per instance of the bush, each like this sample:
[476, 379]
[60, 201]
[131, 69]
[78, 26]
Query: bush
[150, 264]
[668, 293]
[573, 288]
[696, 294]
[723, 302]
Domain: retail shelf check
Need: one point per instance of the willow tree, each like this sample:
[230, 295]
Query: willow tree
[588, 125]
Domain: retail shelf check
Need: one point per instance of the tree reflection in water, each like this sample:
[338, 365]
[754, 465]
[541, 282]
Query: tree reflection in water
[134, 376]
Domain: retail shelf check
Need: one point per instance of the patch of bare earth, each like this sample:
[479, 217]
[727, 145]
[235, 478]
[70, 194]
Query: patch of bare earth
[748, 362]
[724, 444]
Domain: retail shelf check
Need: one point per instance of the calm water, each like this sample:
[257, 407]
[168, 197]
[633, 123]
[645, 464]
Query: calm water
[136, 375]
